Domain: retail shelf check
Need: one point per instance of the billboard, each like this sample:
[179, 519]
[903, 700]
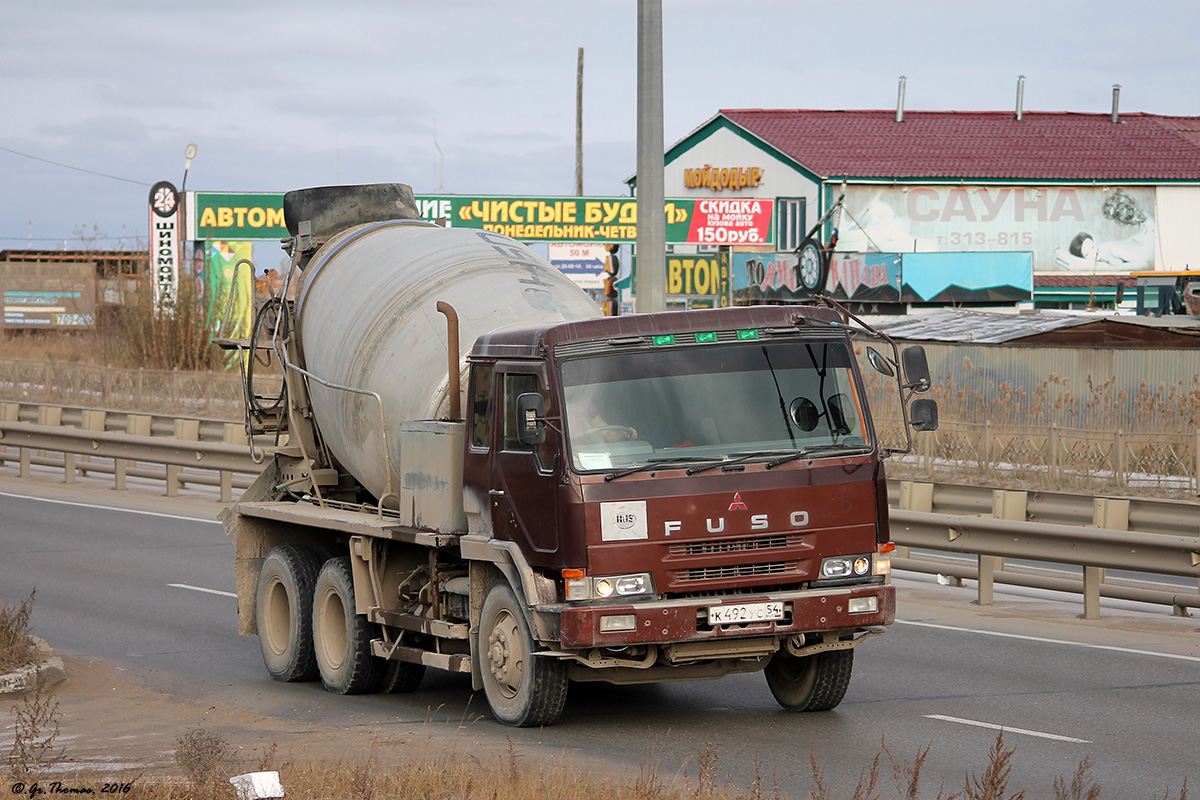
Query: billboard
[703, 279]
[165, 246]
[582, 263]
[947, 278]
[48, 296]
[255, 216]
[1067, 228]
[967, 277]
[236, 216]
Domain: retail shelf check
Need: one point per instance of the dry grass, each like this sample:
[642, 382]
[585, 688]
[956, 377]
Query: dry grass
[208, 761]
[16, 646]
[137, 337]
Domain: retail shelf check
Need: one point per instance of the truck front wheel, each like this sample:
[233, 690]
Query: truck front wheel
[283, 612]
[523, 690]
[341, 637]
[810, 683]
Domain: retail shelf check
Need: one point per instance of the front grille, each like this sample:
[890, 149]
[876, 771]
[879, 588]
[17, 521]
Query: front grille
[769, 542]
[736, 571]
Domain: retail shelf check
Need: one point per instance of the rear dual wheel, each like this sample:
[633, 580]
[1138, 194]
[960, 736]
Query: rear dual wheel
[283, 612]
[341, 637]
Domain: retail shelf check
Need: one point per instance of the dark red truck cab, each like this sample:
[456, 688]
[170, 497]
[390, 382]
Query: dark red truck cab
[705, 490]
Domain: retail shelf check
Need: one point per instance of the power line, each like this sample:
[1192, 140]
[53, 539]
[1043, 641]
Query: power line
[68, 166]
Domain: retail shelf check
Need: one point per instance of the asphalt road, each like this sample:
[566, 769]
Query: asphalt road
[147, 592]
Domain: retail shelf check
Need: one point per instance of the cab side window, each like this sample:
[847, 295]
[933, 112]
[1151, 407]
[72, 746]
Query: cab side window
[516, 384]
[481, 406]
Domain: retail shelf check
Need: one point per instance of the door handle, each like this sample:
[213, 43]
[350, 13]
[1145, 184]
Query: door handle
[496, 492]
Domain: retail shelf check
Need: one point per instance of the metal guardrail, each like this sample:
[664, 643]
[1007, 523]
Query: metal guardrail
[89, 446]
[1155, 536]
[1094, 533]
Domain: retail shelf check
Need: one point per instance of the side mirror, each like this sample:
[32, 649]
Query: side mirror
[531, 425]
[916, 368]
[923, 415]
[879, 362]
[804, 414]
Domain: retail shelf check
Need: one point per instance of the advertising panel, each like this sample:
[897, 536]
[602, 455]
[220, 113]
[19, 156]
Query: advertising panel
[582, 263]
[48, 296]
[703, 278]
[864, 277]
[967, 277]
[224, 296]
[236, 216]
[253, 216]
[760, 277]
[1068, 229]
[164, 246]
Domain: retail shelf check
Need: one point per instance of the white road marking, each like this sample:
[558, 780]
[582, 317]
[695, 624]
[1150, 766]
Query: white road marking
[1007, 729]
[1045, 640]
[201, 589]
[110, 508]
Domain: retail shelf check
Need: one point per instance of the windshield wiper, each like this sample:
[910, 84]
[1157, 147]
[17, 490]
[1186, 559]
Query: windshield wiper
[739, 458]
[655, 463]
[805, 452]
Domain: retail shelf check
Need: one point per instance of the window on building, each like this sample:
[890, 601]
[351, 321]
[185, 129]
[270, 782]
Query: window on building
[792, 222]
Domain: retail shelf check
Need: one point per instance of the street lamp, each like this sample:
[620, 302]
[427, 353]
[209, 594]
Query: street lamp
[189, 153]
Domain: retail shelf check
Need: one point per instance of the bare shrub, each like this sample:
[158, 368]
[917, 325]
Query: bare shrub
[35, 734]
[206, 757]
[16, 644]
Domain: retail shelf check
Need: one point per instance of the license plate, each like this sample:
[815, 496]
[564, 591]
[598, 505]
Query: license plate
[749, 612]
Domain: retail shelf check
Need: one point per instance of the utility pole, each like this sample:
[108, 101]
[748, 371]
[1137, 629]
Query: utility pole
[652, 227]
[579, 126]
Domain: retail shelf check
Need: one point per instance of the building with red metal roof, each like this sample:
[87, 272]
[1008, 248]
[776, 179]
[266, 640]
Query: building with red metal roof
[972, 204]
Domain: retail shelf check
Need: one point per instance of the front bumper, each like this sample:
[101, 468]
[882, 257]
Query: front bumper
[686, 620]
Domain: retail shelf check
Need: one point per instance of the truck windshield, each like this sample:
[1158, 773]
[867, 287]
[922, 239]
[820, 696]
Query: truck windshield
[712, 404]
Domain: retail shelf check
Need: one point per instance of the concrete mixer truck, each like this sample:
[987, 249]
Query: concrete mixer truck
[471, 469]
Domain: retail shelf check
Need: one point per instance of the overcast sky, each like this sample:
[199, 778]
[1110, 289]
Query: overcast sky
[478, 97]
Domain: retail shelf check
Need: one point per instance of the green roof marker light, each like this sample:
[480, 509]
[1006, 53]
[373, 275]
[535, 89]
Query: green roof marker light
[662, 340]
[708, 336]
[743, 335]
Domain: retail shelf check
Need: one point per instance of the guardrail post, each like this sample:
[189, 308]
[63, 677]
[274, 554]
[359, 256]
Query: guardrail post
[987, 578]
[1111, 513]
[914, 496]
[93, 420]
[187, 430]
[9, 412]
[234, 434]
[1009, 504]
[52, 416]
[1092, 579]
[135, 425]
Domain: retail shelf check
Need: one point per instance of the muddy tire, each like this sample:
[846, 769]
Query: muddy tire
[283, 612]
[401, 677]
[342, 638]
[522, 689]
[812, 683]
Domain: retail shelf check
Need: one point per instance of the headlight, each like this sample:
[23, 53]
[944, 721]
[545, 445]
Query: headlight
[845, 567]
[585, 588]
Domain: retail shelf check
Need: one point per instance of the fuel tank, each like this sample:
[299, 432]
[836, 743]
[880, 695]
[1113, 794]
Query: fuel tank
[366, 318]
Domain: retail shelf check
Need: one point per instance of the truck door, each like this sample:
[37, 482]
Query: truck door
[524, 477]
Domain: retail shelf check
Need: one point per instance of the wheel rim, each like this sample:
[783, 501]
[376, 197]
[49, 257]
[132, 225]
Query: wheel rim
[810, 268]
[277, 617]
[506, 654]
[331, 628]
